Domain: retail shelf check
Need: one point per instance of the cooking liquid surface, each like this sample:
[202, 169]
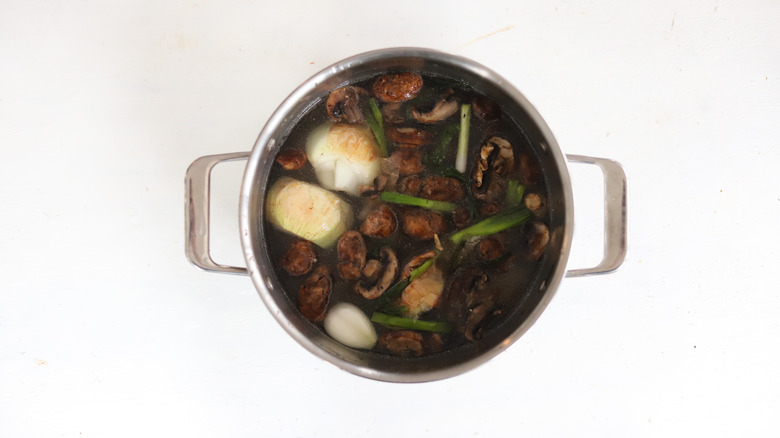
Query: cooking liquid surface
[512, 286]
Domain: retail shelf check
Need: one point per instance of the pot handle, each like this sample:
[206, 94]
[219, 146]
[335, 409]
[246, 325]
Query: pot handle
[196, 214]
[615, 223]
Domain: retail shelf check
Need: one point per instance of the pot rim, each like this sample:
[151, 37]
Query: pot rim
[265, 141]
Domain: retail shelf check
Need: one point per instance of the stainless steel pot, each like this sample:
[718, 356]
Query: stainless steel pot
[258, 264]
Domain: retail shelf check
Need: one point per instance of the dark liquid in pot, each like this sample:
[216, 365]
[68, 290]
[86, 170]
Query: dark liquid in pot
[508, 279]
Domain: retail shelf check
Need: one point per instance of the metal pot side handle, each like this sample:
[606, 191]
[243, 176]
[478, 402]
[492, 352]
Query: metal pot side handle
[197, 183]
[615, 223]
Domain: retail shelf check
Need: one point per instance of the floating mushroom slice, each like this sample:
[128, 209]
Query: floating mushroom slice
[442, 188]
[490, 248]
[344, 104]
[390, 262]
[344, 156]
[485, 108]
[504, 162]
[422, 224]
[351, 254]
[397, 87]
[445, 107]
[461, 217]
[379, 223]
[406, 161]
[535, 203]
[307, 211]
[481, 319]
[410, 137]
[537, 240]
[299, 258]
[494, 163]
[410, 185]
[402, 342]
[291, 159]
[314, 293]
[482, 164]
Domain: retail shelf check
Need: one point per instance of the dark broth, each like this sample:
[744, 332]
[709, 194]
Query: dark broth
[512, 285]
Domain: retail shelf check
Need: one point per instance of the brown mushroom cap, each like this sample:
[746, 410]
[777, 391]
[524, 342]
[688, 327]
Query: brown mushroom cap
[421, 223]
[313, 294]
[397, 87]
[344, 104]
[402, 342]
[442, 188]
[299, 258]
[380, 222]
[351, 251]
[292, 159]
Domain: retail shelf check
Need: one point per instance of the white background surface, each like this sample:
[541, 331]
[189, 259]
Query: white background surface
[106, 330]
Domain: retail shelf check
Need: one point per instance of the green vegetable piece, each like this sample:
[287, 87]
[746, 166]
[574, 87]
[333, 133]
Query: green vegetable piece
[463, 140]
[400, 198]
[494, 224]
[514, 193]
[374, 120]
[409, 323]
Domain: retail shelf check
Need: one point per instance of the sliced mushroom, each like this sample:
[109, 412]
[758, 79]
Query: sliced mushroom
[504, 162]
[408, 137]
[397, 87]
[299, 258]
[442, 188]
[490, 248]
[495, 161]
[481, 308]
[446, 106]
[402, 342]
[379, 223]
[313, 294]
[485, 108]
[291, 159]
[538, 239]
[481, 318]
[422, 224]
[461, 217]
[344, 104]
[407, 161]
[390, 262]
[352, 255]
[391, 114]
[410, 185]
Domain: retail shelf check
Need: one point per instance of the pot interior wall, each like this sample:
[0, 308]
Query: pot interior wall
[452, 361]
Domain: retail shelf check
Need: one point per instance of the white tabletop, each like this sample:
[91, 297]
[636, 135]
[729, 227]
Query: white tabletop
[107, 330]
